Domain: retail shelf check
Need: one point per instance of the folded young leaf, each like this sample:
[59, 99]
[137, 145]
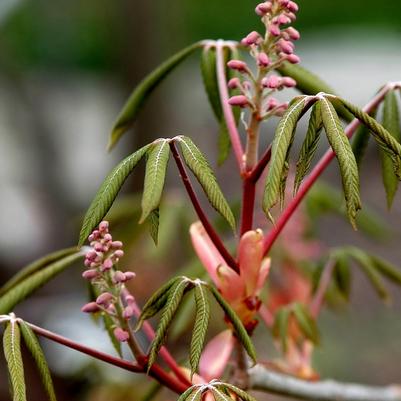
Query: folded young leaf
[200, 328]
[108, 191]
[35, 266]
[387, 269]
[309, 146]
[239, 328]
[281, 146]
[346, 159]
[198, 164]
[280, 326]
[27, 286]
[12, 352]
[391, 122]
[306, 322]
[153, 221]
[35, 349]
[385, 140]
[360, 143]
[173, 302]
[156, 165]
[129, 113]
[342, 274]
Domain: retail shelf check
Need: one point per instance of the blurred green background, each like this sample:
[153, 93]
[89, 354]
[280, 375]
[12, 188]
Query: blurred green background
[66, 67]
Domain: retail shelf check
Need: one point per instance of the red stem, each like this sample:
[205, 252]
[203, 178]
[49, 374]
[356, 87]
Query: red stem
[248, 202]
[199, 211]
[156, 371]
[315, 174]
[262, 163]
[227, 111]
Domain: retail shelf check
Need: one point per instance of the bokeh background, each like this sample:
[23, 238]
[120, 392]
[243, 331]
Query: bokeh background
[67, 66]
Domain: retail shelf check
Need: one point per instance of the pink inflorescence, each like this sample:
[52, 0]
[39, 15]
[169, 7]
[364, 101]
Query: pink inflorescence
[108, 282]
[269, 51]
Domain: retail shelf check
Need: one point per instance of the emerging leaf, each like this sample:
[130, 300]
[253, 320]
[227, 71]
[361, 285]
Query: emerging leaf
[108, 192]
[155, 175]
[346, 159]
[12, 352]
[342, 274]
[280, 326]
[198, 164]
[387, 269]
[129, 113]
[306, 322]
[281, 146]
[35, 349]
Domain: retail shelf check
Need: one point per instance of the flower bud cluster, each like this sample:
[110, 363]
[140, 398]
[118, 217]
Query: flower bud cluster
[101, 272]
[269, 52]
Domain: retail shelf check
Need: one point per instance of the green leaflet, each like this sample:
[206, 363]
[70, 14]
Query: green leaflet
[239, 328]
[24, 288]
[129, 113]
[310, 84]
[391, 122]
[155, 175]
[309, 146]
[281, 145]
[35, 349]
[280, 326]
[184, 396]
[306, 322]
[243, 395]
[342, 274]
[156, 302]
[387, 269]
[34, 267]
[107, 193]
[220, 395]
[200, 328]
[346, 159]
[173, 302]
[12, 352]
[153, 221]
[204, 174]
[360, 143]
[384, 139]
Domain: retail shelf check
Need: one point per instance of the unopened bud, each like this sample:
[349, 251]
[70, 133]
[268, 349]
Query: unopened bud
[90, 307]
[119, 277]
[98, 247]
[285, 46]
[283, 3]
[129, 299]
[263, 60]
[271, 103]
[240, 100]
[104, 226]
[292, 6]
[107, 237]
[283, 19]
[272, 82]
[104, 299]
[128, 312]
[252, 38]
[292, 33]
[237, 65]
[107, 264]
[90, 274]
[293, 58]
[263, 8]
[129, 275]
[121, 335]
[91, 255]
[274, 30]
[119, 253]
[233, 83]
[288, 82]
[116, 244]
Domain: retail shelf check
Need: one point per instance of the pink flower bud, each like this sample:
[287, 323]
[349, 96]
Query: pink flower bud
[98, 247]
[119, 253]
[252, 38]
[281, 109]
[129, 299]
[283, 3]
[107, 264]
[104, 299]
[94, 236]
[90, 274]
[121, 335]
[119, 277]
[293, 59]
[128, 312]
[103, 226]
[263, 60]
[285, 46]
[274, 30]
[90, 307]
[288, 82]
[263, 8]
[240, 100]
[237, 65]
[272, 82]
[283, 19]
[292, 33]
[91, 255]
[129, 276]
[116, 244]
[292, 16]
[233, 83]
[107, 237]
[271, 103]
[87, 262]
[292, 6]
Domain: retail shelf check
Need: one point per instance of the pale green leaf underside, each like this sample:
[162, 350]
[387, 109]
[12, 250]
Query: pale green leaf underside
[155, 175]
[12, 352]
[26, 287]
[129, 113]
[35, 349]
[108, 192]
[200, 167]
[153, 223]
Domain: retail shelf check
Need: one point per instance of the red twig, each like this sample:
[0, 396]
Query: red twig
[248, 203]
[201, 214]
[316, 172]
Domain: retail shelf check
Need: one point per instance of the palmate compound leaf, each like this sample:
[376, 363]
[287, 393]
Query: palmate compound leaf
[282, 141]
[35, 349]
[200, 167]
[221, 392]
[108, 191]
[309, 146]
[12, 352]
[243, 395]
[385, 140]
[239, 328]
[129, 113]
[36, 266]
[202, 317]
[156, 165]
[391, 122]
[346, 159]
[31, 283]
